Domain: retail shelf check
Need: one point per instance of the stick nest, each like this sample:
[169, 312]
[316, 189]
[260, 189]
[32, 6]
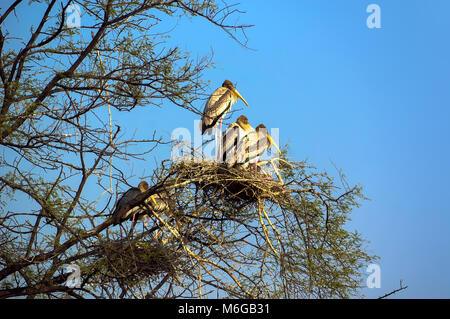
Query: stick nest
[133, 259]
[235, 184]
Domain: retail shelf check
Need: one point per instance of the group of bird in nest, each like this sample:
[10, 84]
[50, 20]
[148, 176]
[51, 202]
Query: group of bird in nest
[238, 151]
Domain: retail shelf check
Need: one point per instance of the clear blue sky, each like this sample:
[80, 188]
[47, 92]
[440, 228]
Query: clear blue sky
[373, 101]
[376, 102]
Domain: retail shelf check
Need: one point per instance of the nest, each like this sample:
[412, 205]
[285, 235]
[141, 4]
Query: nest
[133, 259]
[235, 184]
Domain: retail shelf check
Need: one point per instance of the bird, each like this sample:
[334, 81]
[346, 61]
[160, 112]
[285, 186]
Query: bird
[235, 133]
[159, 202]
[259, 144]
[217, 106]
[258, 141]
[122, 212]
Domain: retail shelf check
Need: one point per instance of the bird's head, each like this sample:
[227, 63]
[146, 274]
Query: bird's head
[227, 84]
[262, 129]
[143, 186]
[242, 121]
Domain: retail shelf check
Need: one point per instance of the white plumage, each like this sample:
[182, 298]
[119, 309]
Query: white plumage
[258, 143]
[235, 141]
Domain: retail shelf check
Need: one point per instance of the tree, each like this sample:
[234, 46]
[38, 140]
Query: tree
[232, 232]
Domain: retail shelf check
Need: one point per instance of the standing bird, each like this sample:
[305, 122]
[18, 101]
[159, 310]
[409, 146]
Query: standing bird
[218, 105]
[259, 145]
[232, 140]
[249, 138]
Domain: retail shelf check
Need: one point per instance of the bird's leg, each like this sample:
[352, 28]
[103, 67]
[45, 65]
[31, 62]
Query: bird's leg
[263, 171]
[215, 145]
[148, 220]
[132, 224]
[220, 141]
[145, 224]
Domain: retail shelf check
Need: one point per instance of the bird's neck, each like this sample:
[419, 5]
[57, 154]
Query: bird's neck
[246, 127]
[234, 97]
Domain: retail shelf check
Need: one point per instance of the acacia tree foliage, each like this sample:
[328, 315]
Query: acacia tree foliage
[57, 85]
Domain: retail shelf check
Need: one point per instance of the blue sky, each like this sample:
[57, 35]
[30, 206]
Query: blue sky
[373, 101]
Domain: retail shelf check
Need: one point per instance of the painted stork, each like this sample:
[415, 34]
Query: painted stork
[217, 106]
[159, 202]
[233, 138]
[259, 142]
[122, 211]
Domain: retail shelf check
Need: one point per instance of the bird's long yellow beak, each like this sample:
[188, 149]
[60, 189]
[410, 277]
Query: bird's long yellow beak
[246, 127]
[273, 143]
[239, 96]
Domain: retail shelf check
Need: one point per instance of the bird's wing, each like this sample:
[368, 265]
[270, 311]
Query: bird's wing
[218, 105]
[263, 143]
[229, 142]
[243, 145]
[258, 144]
[252, 152]
[120, 213]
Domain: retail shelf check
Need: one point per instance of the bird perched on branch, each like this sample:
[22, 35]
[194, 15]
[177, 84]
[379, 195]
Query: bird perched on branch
[123, 212]
[232, 140]
[259, 142]
[162, 202]
[159, 203]
[217, 106]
